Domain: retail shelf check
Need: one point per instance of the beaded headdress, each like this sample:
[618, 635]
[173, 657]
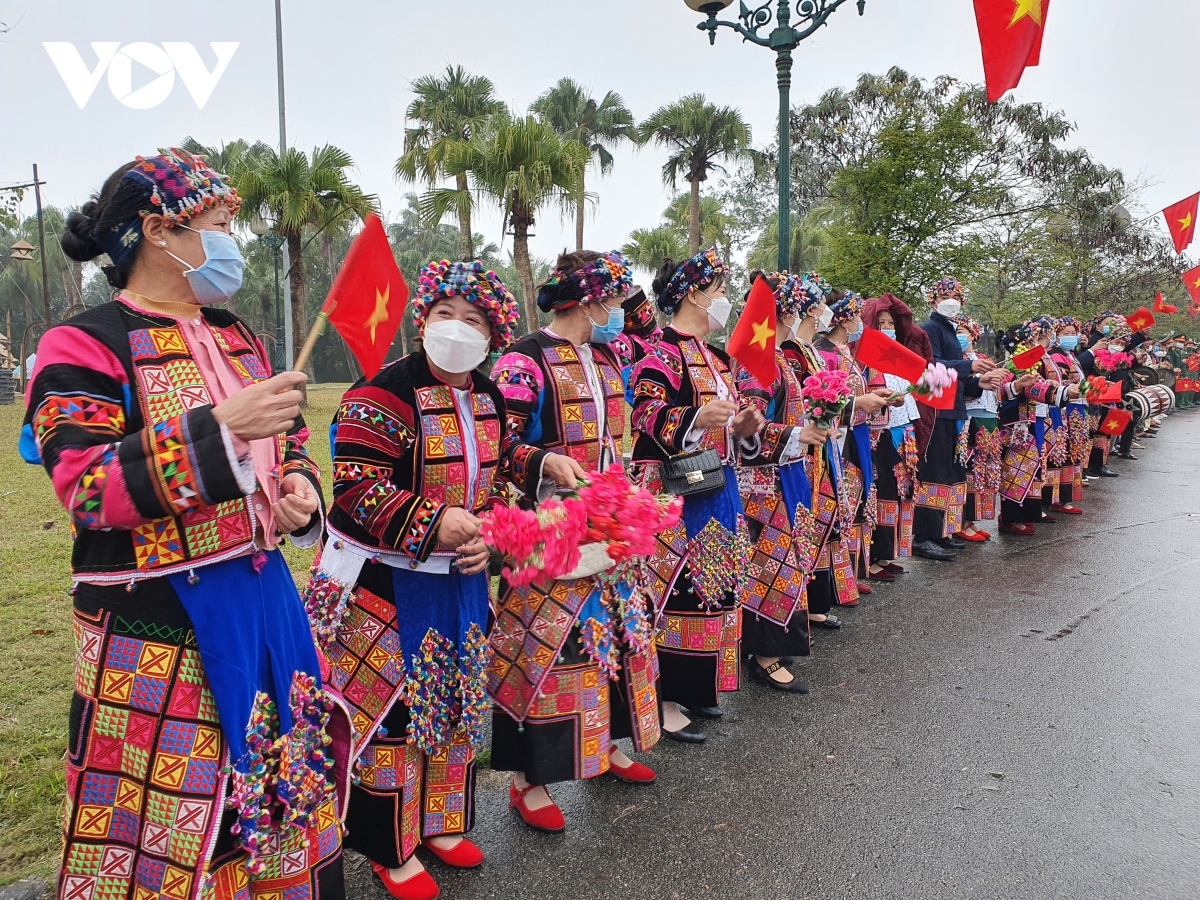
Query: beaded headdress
[948, 288]
[847, 308]
[698, 272]
[974, 328]
[469, 280]
[609, 276]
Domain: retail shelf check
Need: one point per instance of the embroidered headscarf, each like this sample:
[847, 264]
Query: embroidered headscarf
[845, 309]
[1068, 321]
[469, 280]
[696, 273]
[639, 313]
[973, 327]
[948, 288]
[176, 185]
[602, 279]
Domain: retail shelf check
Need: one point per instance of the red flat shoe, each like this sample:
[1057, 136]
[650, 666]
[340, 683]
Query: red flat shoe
[881, 575]
[548, 819]
[419, 887]
[987, 535]
[1022, 528]
[895, 569]
[863, 589]
[464, 855]
[1067, 510]
[634, 773]
[975, 538]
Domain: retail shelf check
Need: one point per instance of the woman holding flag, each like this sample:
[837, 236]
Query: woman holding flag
[776, 491]
[685, 400]
[1075, 418]
[399, 594]
[985, 442]
[563, 694]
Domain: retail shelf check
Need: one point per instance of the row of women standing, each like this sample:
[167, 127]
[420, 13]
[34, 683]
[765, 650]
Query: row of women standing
[228, 735]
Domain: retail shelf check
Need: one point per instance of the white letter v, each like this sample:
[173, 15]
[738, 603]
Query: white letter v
[199, 81]
[79, 81]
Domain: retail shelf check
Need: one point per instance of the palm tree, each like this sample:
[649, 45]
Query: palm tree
[226, 158]
[697, 133]
[648, 247]
[448, 110]
[576, 116]
[715, 224]
[301, 193]
[810, 242]
[521, 164]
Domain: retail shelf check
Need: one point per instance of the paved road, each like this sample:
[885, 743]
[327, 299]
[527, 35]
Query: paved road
[1021, 724]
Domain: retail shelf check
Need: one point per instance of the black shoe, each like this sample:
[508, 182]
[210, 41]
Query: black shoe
[787, 660]
[1126, 456]
[829, 623]
[763, 676]
[952, 543]
[1105, 472]
[705, 712]
[933, 550]
[691, 733]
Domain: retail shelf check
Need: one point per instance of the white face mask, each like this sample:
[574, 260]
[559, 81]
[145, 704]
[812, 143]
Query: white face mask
[1116, 348]
[454, 346]
[826, 321]
[950, 308]
[718, 311]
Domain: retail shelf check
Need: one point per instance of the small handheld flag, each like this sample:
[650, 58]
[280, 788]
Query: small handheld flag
[1181, 221]
[1115, 422]
[1162, 306]
[1191, 279]
[1140, 320]
[753, 340]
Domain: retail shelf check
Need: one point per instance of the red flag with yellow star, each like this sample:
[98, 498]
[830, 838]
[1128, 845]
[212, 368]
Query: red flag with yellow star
[1115, 422]
[1140, 320]
[1181, 221]
[753, 340]
[366, 303]
[1191, 278]
[1162, 306]
[1011, 34]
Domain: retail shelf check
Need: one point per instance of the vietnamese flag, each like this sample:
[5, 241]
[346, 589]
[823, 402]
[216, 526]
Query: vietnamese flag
[1162, 306]
[1140, 320]
[753, 340]
[1181, 221]
[1191, 278]
[1029, 358]
[878, 351]
[1011, 34]
[366, 303]
[1111, 393]
[1115, 422]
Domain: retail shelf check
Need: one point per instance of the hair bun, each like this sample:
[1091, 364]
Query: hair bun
[665, 273]
[77, 240]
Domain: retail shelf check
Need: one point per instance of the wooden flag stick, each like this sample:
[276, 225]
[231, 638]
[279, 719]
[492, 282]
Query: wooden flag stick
[311, 341]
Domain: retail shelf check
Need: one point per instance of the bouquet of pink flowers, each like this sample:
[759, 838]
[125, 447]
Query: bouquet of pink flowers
[1108, 361]
[538, 544]
[626, 517]
[825, 395]
[935, 382]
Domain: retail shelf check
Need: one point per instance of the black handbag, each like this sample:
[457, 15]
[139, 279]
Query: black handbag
[698, 474]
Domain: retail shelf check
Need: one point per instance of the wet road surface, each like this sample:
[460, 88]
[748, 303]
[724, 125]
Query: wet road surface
[1023, 723]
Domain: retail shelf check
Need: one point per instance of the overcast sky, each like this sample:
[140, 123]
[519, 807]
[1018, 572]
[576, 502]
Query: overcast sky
[1123, 71]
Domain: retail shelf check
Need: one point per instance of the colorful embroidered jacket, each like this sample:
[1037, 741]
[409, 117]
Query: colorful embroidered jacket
[670, 385]
[781, 405]
[552, 408]
[122, 419]
[839, 359]
[399, 459]
[1021, 406]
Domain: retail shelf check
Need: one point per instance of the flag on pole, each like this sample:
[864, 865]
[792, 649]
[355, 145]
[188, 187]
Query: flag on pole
[878, 351]
[1140, 320]
[1162, 306]
[367, 301]
[1181, 221]
[1010, 32]
[1029, 358]
[753, 340]
[1191, 278]
[1115, 422]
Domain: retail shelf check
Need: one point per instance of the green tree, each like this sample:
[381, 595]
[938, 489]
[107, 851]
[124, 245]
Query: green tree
[448, 110]
[599, 126]
[523, 165]
[227, 158]
[648, 247]
[697, 134]
[301, 194]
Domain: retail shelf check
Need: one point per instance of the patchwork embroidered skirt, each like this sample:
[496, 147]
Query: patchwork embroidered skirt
[942, 484]
[983, 472]
[895, 477]
[146, 785]
[774, 603]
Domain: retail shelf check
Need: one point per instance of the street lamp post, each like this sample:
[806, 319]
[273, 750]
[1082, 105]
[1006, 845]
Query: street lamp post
[783, 39]
[275, 241]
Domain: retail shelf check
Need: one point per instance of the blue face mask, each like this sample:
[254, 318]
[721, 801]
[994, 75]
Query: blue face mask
[219, 277]
[610, 330]
[965, 342]
[1068, 341]
[890, 332]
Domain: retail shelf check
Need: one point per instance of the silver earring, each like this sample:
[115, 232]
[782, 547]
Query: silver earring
[162, 243]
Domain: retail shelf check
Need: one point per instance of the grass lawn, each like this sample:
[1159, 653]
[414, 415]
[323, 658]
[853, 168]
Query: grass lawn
[37, 648]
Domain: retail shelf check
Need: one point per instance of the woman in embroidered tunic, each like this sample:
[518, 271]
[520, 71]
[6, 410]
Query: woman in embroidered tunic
[181, 462]
[778, 501]
[856, 488]
[893, 436]
[1024, 414]
[1075, 418]
[416, 449]
[985, 442]
[685, 399]
[641, 331]
[566, 417]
